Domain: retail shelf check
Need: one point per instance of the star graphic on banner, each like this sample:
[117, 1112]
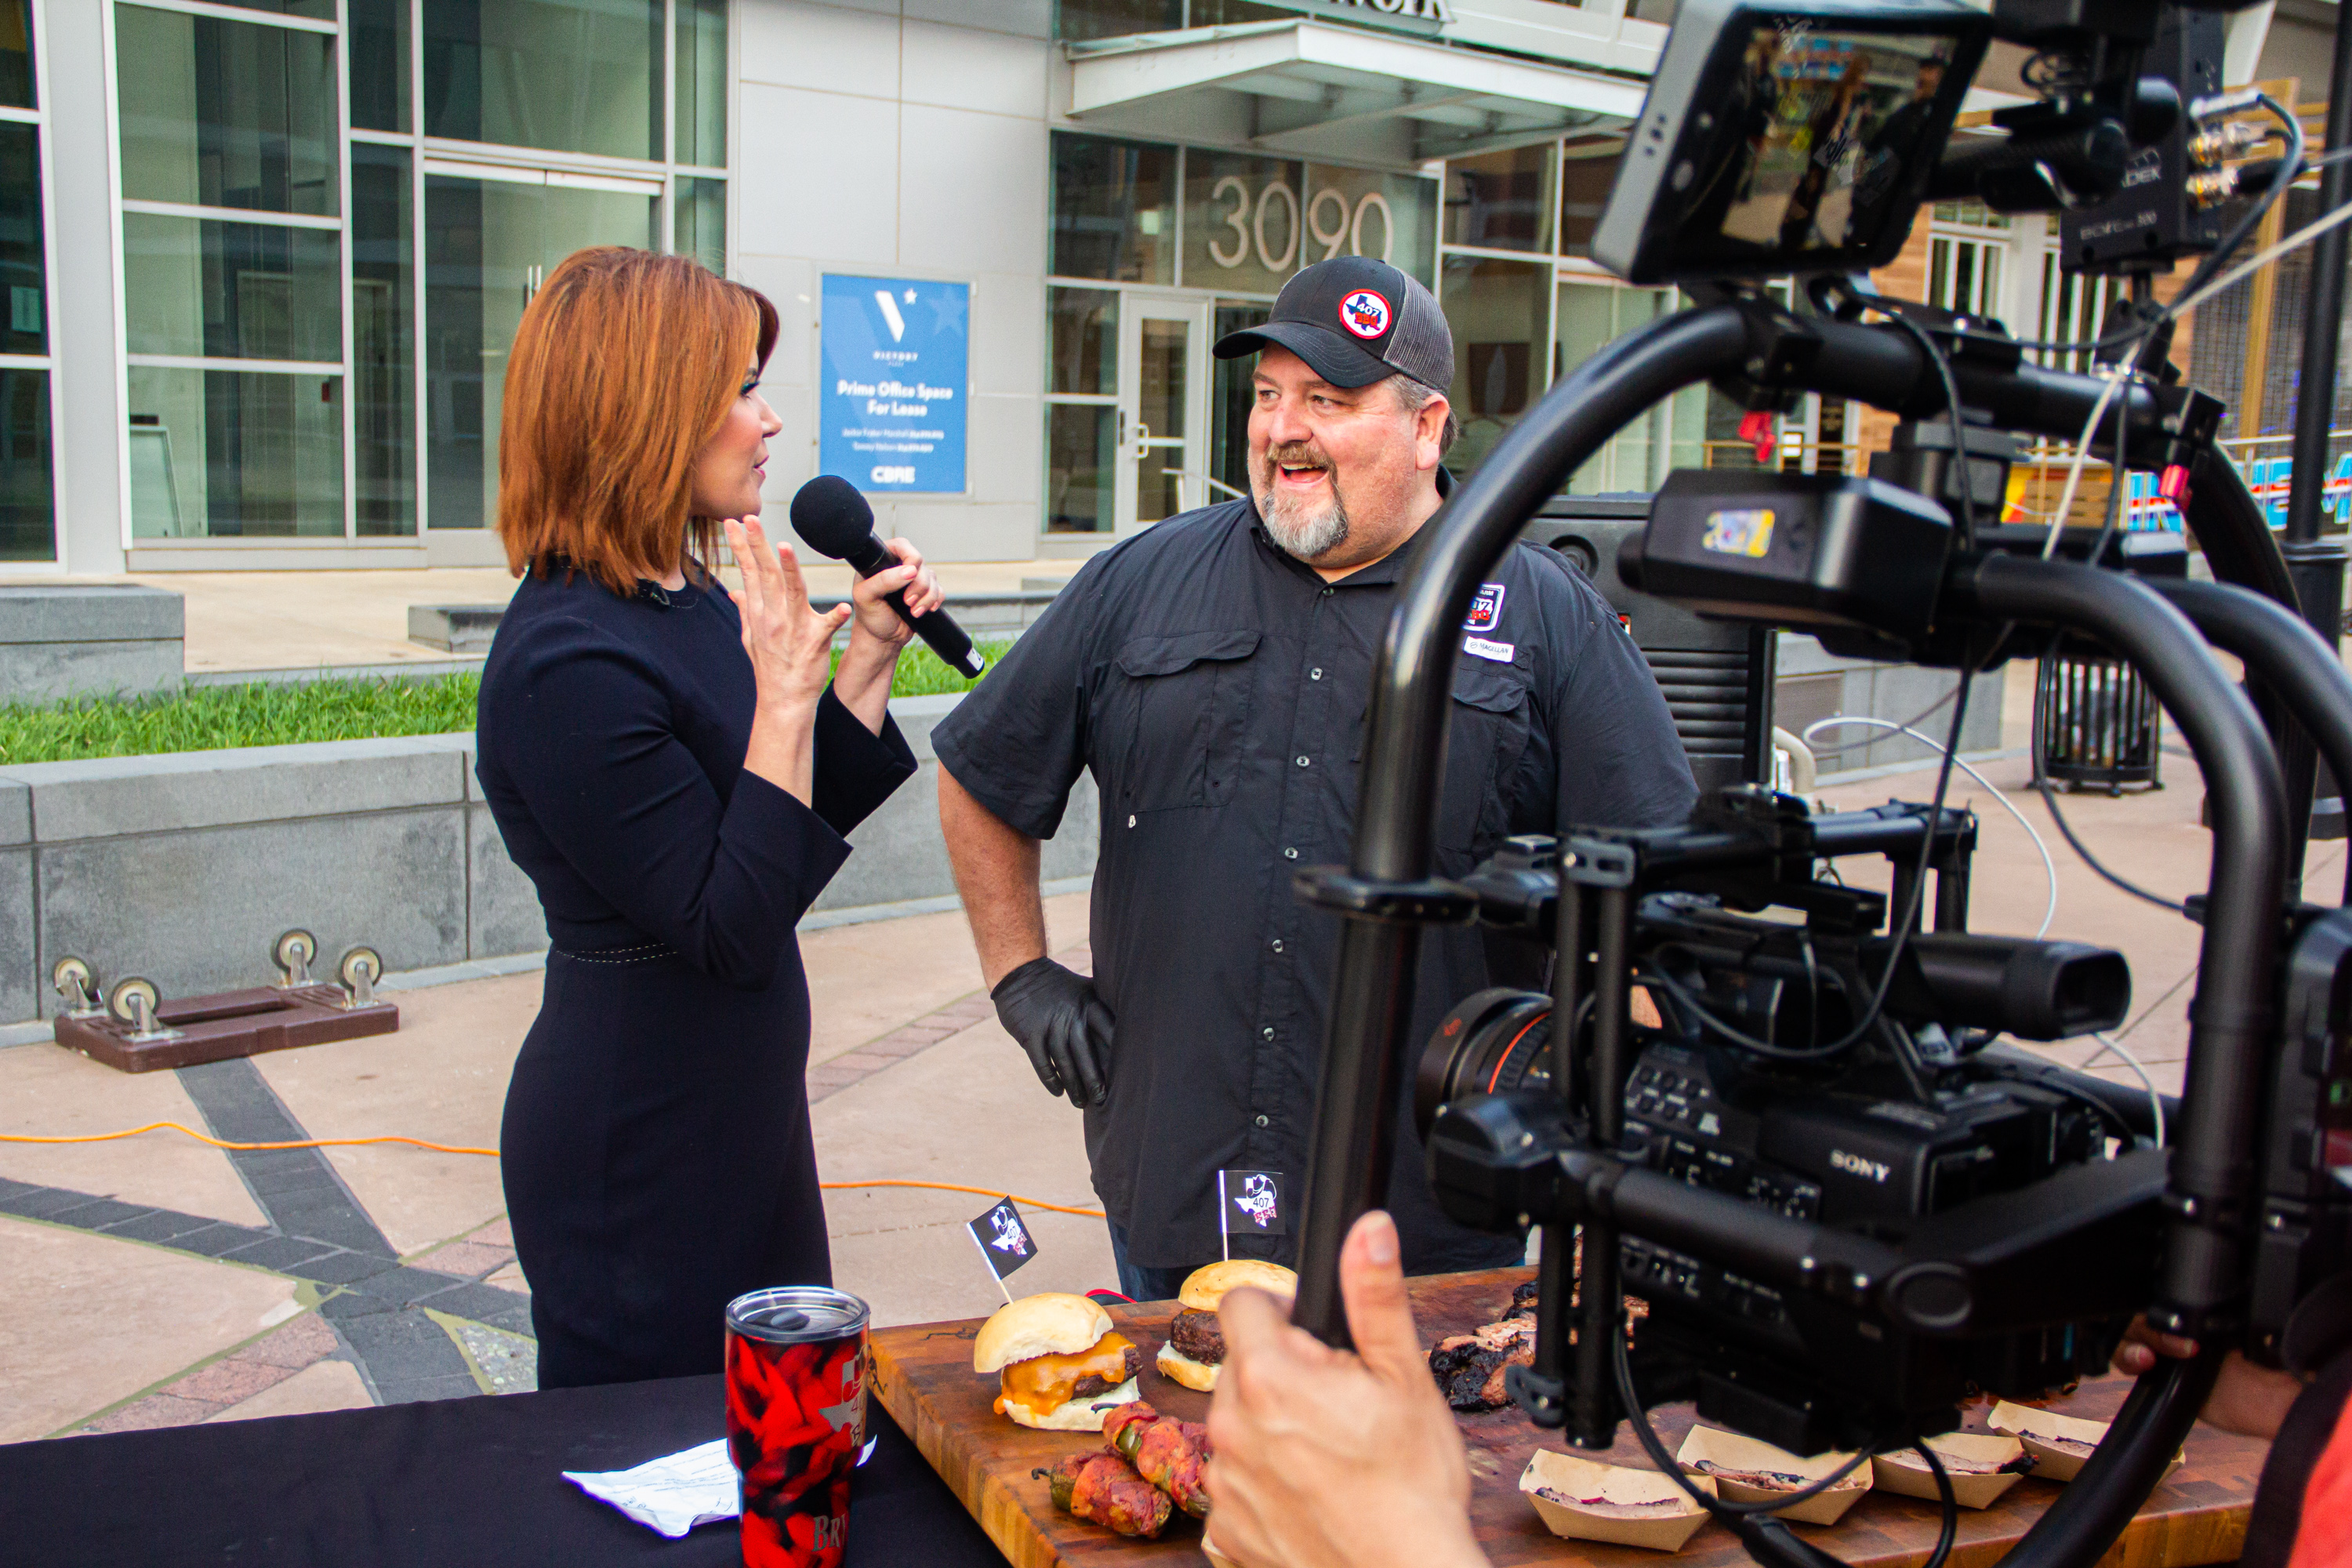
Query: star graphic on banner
[947, 311]
[910, 296]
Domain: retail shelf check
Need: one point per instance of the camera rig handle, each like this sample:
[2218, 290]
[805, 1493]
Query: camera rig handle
[1388, 889]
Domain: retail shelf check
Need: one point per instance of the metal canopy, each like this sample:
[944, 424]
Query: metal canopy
[1307, 89]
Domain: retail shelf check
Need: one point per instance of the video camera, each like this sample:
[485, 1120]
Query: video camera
[1847, 1205]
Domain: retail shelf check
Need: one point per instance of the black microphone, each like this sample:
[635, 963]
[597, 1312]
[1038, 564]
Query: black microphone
[834, 520]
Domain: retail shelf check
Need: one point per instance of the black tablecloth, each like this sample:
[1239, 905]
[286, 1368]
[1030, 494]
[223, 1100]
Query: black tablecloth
[451, 1482]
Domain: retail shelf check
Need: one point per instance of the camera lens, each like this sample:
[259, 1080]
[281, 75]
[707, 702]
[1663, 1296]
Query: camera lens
[1491, 1043]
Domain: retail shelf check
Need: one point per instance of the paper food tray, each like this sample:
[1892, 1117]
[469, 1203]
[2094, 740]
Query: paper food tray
[2035, 1428]
[1906, 1474]
[1568, 1479]
[1747, 1454]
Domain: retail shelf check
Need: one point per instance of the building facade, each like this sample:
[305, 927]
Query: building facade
[266, 256]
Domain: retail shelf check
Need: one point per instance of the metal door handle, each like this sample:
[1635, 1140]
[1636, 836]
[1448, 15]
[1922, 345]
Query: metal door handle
[1142, 439]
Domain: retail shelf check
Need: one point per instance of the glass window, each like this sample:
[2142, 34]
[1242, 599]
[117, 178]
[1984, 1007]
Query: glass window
[1354, 212]
[383, 340]
[1114, 212]
[28, 507]
[700, 224]
[22, 266]
[1501, 201]
[1584, 185]
[243, 291]
[1500, 313]
[1111, 19]
[487, 245]
[1589, 317]
[235, 455]
[1079, 468]
[701, 87]
[379, 35]
[1084, 349]
[1231, 392]
[17, 54]
[225, 114]
[318, 10]
[1242, 227]
[573, 76]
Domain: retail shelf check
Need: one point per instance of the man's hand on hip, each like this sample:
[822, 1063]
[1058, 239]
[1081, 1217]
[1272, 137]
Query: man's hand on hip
[1061, 1024]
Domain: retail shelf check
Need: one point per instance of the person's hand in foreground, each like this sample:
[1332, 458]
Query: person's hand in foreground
[2249, 1400]
[1330, 1458]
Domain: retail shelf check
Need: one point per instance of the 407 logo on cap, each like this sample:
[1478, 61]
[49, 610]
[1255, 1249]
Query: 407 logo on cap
[1364, 313]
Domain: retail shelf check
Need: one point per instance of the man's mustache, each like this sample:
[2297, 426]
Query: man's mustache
[1296, 456]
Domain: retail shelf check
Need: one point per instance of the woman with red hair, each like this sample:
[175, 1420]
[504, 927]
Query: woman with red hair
[669, 765]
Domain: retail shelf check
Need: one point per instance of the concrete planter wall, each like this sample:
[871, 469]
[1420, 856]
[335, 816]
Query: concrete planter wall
[86, 640]
[186, 867]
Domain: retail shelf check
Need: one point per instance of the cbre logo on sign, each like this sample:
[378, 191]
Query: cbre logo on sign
[884, 474]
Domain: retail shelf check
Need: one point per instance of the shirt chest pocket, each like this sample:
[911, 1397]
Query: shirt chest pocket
[1489, 735]
[1177, 713]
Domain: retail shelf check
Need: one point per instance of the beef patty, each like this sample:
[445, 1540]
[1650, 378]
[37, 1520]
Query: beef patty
[1090, 1385]
[1196, 1334]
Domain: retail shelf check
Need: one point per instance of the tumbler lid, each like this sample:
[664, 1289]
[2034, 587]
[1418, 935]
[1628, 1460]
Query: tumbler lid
[797, 1314]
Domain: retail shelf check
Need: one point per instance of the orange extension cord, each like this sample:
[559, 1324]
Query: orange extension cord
[452, 1149]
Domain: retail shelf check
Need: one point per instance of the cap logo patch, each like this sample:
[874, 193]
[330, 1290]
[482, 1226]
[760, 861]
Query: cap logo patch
[1365, 313]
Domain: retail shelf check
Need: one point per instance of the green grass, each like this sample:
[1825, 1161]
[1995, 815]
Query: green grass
[212, 718]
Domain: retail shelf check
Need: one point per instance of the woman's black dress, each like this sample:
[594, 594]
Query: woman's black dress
[656, 1146]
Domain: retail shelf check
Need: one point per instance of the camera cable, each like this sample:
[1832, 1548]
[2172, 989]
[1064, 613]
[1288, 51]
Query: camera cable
[2049, 866]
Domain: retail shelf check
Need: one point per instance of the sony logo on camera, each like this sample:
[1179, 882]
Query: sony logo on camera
[1857, 1165]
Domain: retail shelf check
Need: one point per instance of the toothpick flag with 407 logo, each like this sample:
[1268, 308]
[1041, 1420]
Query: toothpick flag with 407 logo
[1003, 1239]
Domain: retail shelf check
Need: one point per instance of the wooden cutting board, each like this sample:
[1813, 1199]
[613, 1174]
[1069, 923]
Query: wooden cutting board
[923, 1375]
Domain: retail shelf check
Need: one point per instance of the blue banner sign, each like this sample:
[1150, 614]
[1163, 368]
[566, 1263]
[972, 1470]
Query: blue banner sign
[895, 372]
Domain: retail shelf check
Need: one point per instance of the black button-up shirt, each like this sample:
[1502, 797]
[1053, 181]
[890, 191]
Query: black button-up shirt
[1216, 688]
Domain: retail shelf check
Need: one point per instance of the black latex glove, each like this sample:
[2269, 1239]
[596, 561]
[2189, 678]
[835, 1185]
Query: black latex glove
[1061, 1024]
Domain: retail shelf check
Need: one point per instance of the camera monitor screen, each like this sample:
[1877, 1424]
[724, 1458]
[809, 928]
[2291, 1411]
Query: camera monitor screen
[1782, 139]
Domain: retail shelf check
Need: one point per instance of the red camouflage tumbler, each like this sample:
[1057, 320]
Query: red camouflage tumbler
[796, 1419]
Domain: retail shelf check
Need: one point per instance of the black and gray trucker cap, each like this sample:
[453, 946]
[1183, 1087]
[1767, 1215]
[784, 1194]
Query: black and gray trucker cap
[1355, 321]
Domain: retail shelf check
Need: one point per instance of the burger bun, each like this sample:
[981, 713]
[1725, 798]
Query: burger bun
[1178, 1367]
[1073, 1415]
[1205, 1289]
[1053, 1323]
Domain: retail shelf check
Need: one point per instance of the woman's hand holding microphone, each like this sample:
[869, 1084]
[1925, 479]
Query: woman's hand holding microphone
[877, 636]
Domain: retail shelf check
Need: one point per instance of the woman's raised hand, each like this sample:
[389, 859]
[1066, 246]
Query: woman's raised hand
[790, 644]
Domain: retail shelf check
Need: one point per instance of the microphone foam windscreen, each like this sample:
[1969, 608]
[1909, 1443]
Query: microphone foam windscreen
[830, 515]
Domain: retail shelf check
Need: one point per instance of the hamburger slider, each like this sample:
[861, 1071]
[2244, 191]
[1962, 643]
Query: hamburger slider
[1059, 1362]
[1196, 1346]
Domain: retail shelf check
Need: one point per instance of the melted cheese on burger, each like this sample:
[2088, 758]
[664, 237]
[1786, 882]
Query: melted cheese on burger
[1042, 1384]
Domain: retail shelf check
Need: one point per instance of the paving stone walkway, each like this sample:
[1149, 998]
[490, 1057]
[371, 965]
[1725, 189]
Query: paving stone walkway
[364, 1325]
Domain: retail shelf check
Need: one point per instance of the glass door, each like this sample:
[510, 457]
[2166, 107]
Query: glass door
[492, 237]
[1163, 413]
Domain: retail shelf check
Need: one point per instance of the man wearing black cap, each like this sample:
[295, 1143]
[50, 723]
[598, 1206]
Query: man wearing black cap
[1213, 673]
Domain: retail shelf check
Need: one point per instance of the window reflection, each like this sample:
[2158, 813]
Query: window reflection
[1084, 353]
[233, 455]
[225, 114]
[1079, 468]
[383, 340]
[574, 76]
[1501, 201]
[28, 507]
[240, 290]
[1114, 210]
[24, 324]
[17, 54]
[1500, 313]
